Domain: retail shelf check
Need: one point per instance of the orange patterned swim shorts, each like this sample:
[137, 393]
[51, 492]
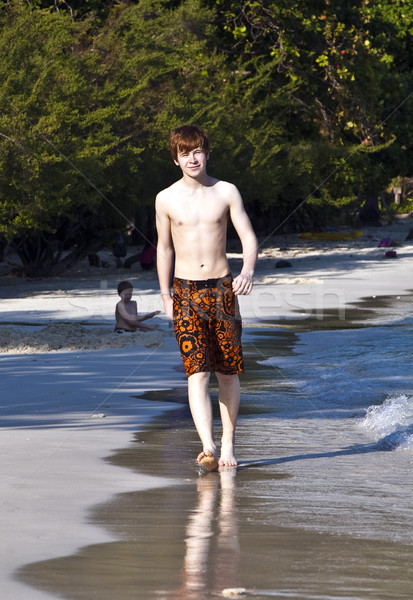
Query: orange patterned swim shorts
[208, 325]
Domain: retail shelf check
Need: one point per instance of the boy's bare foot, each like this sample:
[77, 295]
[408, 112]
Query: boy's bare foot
[227, 458]
[208, 460]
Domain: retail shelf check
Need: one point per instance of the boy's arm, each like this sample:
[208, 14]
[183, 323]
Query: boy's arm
[164, 252]
[134, 319]
[242, 284]
[141, 318]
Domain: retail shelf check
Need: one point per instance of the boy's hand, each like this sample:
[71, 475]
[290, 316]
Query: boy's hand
[242, 284]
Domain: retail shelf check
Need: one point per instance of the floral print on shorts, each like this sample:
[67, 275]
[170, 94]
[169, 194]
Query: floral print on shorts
[208, 325]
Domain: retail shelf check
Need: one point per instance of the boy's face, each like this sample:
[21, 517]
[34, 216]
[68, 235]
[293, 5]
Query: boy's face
[126, 295]
[192, 162]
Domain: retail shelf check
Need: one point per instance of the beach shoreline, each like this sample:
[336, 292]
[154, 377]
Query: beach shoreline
[169, 541]
[88, 395]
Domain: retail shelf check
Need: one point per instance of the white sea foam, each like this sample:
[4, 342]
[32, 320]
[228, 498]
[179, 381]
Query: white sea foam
[391, 422]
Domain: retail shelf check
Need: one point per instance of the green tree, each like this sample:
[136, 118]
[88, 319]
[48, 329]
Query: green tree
[306, 104]
[335, 79]
[57, 145]
[85, 115]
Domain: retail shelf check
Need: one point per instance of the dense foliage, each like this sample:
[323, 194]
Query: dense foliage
[308, 106]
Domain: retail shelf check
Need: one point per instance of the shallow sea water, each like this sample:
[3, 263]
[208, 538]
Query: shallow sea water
[320, 507]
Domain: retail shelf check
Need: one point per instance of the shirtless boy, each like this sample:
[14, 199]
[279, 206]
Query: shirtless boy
[191, 218]
[126, 313]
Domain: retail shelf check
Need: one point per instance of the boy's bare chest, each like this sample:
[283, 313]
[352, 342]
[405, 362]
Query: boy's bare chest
[194, 213]
[130, 307]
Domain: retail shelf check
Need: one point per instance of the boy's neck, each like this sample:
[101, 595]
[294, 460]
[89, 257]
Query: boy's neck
[203, 180]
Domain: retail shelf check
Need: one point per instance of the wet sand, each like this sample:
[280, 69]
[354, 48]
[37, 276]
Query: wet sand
[240, 529]
[194, 541]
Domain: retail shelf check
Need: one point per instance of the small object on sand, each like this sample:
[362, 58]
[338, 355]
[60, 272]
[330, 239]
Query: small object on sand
[234, 592]
[390, 254]
[283, 264]
[385, 243]
[209, 462]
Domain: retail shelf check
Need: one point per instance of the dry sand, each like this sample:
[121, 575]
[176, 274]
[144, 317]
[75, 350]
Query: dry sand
[71, 337]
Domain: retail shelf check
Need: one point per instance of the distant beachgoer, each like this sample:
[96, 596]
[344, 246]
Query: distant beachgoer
[126, 313]
[147, 258]
[120, 249]
[192, 217]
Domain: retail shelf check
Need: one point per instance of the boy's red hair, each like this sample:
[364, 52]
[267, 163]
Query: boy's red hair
[186, 138]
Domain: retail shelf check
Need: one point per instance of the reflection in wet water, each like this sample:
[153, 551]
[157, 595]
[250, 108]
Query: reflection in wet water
[180, 543]
[212, 552]
[192, 541]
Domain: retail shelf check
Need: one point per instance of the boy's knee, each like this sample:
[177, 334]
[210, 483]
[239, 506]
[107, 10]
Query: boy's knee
[227, 380]
[199, 378]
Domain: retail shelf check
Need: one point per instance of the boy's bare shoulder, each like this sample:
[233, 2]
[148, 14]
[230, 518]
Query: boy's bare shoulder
[226, 187]
[228, 192]
[169, 191]
[165, 199]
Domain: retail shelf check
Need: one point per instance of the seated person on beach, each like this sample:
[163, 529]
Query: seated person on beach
[127, 318]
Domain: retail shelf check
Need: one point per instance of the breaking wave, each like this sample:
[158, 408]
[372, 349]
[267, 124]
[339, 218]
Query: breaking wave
[391, 422]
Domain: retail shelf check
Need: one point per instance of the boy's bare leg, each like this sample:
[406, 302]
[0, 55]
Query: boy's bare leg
[201, 410]
[229, 400]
